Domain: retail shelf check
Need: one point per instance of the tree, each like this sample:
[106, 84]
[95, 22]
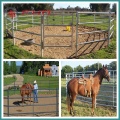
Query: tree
[13, 67]
[6, 68]
[32, 67]
[99, 7]
[113, 8]
[93, 67]
[27, 6]
[112, 66]
[66, 69]
[78, 69]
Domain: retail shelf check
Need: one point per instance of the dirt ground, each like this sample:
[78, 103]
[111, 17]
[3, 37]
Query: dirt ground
[41, 108]
[61, 52]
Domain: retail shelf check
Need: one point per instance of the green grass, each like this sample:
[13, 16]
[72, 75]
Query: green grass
[82, 109]
[11, 51]
[9, 80]
[16, 52]
[43, 82]
[50, 83]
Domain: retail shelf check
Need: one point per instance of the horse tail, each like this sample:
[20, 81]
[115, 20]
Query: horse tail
[68, 98]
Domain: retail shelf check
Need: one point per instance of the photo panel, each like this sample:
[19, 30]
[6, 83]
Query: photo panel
[90, 88]
[59, 33]
[31, 89]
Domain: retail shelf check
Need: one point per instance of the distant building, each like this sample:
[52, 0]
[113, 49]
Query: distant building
[55, 70]
[49, 70]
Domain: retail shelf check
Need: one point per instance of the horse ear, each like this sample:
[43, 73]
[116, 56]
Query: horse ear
[106, 66]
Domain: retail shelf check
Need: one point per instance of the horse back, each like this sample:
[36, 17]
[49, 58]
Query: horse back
[72, 85]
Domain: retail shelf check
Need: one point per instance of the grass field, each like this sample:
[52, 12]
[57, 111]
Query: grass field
[49, 83]
[43, 82]
[109, 52]
[82, 109]
[9, 80]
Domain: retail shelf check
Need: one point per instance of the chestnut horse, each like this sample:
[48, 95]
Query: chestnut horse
[26, 89]
[74, 88]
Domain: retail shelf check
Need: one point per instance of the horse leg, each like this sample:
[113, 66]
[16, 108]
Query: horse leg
[71, 104]
[93, 103]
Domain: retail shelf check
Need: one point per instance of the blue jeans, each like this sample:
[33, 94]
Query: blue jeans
[35, 95]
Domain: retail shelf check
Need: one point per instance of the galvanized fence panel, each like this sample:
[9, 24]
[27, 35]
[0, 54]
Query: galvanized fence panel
[97, 19]
[107, 95]
[48, 104]
[62, 20]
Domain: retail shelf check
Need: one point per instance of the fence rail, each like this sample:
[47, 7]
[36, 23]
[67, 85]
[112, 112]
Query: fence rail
[45, 20]
[48, 104]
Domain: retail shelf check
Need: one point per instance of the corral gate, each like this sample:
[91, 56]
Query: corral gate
[48, 103]
[44, 20]
[107, 95]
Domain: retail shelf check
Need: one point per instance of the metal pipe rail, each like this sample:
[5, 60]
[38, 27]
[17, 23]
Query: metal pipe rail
[95, 12]
[92, 41]
[31, 113]
[58, 36]
[25, 41]
[92, 22]
[24, 22]
[111, 27]
[9, 19]
[100, 31]
[57, 46]
[31, 105]
[27, 32]
[111, 34]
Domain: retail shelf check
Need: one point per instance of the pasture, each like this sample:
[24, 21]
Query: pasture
[48, 97]
[57, 38]
[9, 80]
[83, 109]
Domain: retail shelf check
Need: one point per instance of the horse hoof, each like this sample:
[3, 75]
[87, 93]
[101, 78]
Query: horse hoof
[92, 113]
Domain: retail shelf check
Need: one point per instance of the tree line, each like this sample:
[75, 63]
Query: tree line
[98, 7]
[36, 7]
[27, 67]
[79, 68]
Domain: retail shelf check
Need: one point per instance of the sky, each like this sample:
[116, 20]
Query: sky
[18, 63]
[84, 63]
[74, 4]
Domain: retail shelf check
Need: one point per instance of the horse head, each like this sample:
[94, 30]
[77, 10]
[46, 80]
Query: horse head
[106, 74]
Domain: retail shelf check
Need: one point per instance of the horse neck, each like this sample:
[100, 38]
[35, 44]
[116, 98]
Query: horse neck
[98, 77]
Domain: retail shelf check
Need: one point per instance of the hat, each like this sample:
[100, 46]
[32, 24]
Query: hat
[35, 81]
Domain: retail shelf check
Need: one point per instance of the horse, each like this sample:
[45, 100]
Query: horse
[74, 87]
[26, 89]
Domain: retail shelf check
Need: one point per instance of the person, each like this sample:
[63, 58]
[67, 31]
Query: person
[35, 92]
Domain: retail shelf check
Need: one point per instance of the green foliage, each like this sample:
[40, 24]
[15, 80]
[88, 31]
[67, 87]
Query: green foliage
[66, 69]
[43, 82]
[31, 67]
[9, 80]
[98, 7]
[113, 65]
[13, 68]
[6, 68]
[36, 7]
[79, 68]
[114, 8]
[13, 52]
[93, 67]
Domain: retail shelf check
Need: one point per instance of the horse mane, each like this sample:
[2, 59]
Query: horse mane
[97, 72]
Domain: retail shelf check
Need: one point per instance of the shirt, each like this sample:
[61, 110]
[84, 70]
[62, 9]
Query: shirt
[35, 86]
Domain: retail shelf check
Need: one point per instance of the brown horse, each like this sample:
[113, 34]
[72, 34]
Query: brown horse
[26, 89]
[74, 87]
